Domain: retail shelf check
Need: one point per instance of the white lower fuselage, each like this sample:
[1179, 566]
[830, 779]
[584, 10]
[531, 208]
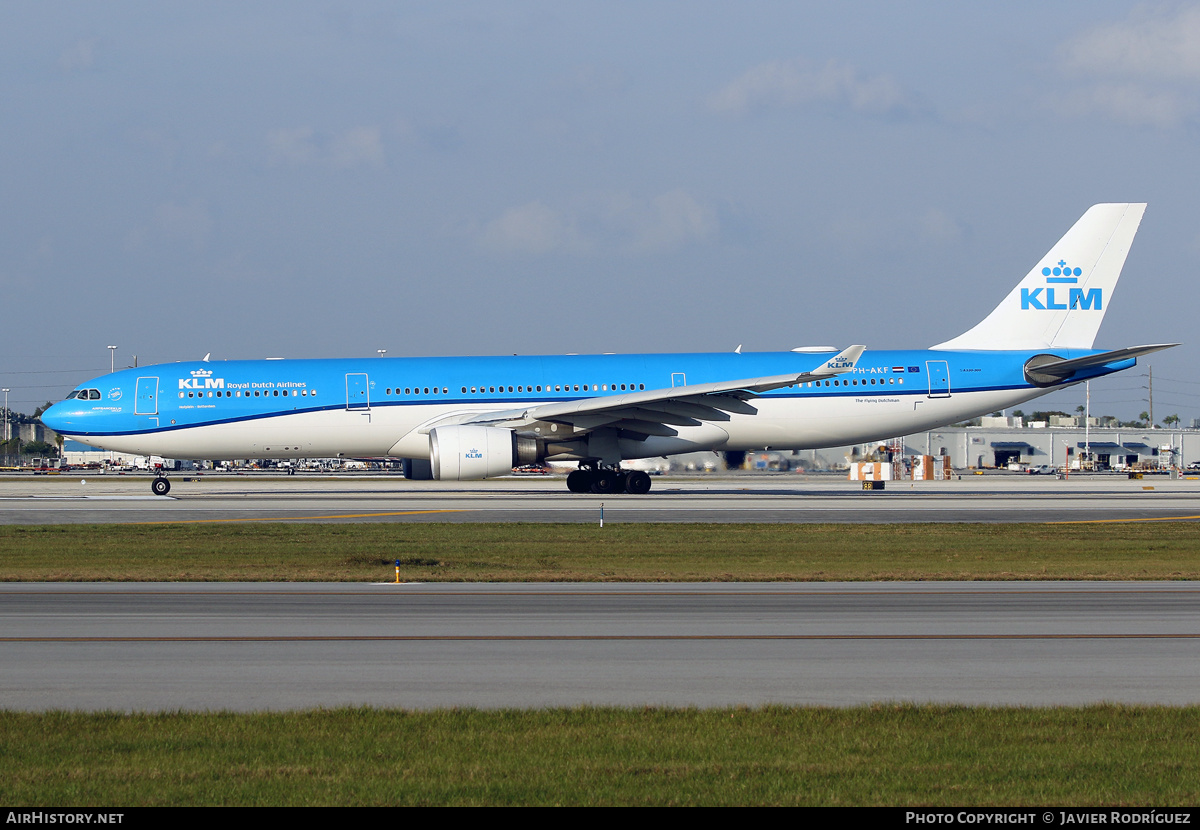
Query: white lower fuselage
[396, 430]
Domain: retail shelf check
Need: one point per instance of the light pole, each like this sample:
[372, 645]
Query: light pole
[112, 359]
[1087, 418]
[382, 352]
[6, 435]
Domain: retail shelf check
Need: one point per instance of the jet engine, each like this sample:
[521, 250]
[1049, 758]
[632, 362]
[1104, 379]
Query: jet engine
[469, 453]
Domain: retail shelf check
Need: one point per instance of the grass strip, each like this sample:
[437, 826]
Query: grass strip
[431, 552]
[898, 755]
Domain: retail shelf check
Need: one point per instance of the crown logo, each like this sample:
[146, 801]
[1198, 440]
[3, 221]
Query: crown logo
[1061, 270]
[202, 373]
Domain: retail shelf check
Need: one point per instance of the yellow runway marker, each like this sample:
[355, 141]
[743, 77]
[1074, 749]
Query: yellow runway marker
[295, 518]
[1125, 521]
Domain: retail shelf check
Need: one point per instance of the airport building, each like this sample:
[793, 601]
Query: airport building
[1101, 448]
[1006, 443]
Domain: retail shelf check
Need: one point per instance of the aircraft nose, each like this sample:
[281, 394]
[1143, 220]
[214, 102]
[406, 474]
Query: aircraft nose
[58, 417]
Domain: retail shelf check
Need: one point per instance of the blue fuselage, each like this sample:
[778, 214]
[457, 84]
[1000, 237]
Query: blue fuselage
[377, 407]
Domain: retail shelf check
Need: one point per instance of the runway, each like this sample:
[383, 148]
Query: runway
[150, 647]
[729, 498]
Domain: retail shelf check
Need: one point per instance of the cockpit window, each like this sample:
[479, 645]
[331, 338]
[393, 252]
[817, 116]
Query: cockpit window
[84, 395]
[74, 394]
[94, 394]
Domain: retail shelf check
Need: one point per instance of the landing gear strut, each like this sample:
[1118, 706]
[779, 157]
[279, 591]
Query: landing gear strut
[593, 478]
[161, 486]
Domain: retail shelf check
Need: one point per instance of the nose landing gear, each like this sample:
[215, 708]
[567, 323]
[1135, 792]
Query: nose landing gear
[160, 485]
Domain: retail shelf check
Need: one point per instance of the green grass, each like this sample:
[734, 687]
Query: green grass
[575, 552]
[880, 755]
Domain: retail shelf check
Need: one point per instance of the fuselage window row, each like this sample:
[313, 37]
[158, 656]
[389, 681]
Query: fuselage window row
[94, 394]
[238, 394]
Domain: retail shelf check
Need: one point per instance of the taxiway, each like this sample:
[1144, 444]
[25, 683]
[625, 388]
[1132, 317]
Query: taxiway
[248, 646]
[732, 498]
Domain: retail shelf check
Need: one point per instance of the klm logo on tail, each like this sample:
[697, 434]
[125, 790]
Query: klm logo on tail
[1076, 298]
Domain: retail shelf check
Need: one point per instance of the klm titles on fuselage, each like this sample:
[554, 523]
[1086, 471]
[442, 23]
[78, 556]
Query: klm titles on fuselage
[1077, 298]
[219, 383]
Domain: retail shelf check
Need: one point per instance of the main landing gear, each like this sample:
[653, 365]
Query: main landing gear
[592, 478]
[161, 486]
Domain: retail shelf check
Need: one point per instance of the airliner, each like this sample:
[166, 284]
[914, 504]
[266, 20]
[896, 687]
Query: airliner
[471, 418]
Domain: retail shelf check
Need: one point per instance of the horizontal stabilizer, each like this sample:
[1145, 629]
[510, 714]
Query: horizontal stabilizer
[1047, 369]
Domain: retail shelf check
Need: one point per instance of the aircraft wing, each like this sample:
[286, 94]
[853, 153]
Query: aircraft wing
[658, 411]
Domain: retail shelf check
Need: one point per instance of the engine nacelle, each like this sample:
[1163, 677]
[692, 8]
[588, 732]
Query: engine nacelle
[469, 453]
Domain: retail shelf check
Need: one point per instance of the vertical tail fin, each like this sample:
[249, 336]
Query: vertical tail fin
[1061, 302]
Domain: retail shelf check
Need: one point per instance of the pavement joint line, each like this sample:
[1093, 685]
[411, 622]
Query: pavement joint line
[706, 509]
[296, 518]
[451, 638]
[800, 593]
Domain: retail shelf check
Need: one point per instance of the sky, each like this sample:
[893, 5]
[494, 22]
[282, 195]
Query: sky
[327, 179]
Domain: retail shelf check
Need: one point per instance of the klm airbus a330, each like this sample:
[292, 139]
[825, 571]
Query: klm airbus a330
[469, 418]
